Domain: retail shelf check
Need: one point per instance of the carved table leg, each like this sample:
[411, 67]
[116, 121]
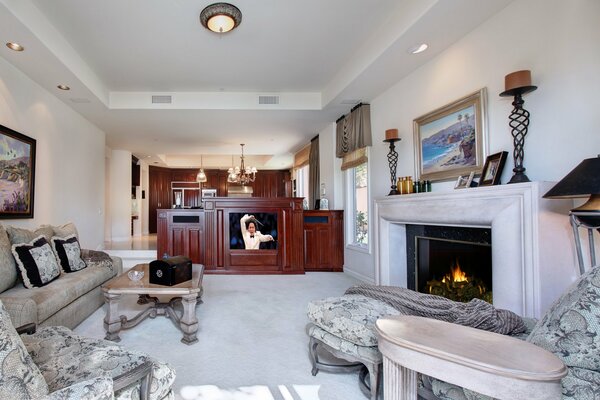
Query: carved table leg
[400, 383]
[112, 320]
[189, 323]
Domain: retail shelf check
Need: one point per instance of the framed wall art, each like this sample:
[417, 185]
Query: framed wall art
[450, 141]
[17, 174]
[464, 181]
[490, 175]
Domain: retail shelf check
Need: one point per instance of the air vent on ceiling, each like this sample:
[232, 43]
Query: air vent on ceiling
[162, 99]
[80, 100]
[268, 99]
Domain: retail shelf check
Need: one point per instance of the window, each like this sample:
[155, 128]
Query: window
[358, 196]
[302, 181]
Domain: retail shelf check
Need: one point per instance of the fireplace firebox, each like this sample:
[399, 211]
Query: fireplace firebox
[453, 262]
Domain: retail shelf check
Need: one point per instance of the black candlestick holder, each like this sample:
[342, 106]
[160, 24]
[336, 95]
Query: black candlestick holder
[393, 162]
[519, 123]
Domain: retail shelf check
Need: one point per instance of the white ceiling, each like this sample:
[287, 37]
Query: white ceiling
[318, 56]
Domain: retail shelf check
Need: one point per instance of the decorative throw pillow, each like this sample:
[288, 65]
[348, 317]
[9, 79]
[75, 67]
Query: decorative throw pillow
[68, 252]
[571, 328]
[37, 262]
[21, 235]
[20, 378]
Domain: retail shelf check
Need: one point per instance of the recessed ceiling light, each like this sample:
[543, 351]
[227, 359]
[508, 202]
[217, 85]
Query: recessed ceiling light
[15, 46]
[419, 48]
[63, 87]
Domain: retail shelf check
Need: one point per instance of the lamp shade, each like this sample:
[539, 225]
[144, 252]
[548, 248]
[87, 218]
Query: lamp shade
[583, 181]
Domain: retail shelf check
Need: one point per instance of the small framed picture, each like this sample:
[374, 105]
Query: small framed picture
[324, 204]
[490, 175]
[464, 181]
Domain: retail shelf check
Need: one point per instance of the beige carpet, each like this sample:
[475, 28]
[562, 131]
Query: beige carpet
[252, 340]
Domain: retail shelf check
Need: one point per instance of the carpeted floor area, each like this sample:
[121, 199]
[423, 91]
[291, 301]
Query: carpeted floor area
[252, 340]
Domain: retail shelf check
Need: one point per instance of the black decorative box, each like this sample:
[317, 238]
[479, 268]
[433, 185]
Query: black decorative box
[170, 271]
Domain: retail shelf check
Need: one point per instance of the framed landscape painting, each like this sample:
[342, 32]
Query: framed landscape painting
[450, 141]
[17, 174]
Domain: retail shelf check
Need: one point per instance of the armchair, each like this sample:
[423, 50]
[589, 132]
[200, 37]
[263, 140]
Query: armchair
[570, 330]
[55, 363]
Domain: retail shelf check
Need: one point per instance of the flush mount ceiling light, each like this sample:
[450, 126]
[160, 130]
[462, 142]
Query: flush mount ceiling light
[63, 87]
[419, 48]
[220, 17]
[15, 46]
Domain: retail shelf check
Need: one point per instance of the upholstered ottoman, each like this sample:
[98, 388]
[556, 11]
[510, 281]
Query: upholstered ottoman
[345, 327]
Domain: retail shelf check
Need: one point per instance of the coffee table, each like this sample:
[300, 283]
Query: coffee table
[188, 294]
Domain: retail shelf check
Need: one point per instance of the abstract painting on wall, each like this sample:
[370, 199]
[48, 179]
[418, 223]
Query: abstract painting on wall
[17, 174]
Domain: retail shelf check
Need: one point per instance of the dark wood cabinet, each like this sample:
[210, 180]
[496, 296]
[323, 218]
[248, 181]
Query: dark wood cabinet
[159, 193]
[181, 233]
[324, 240]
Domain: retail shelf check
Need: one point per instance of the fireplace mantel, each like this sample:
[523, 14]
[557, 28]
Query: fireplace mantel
[533, 255]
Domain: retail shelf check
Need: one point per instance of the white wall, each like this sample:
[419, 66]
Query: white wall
[69, 181]
[329, 169]
[120, 194]
[557, 40]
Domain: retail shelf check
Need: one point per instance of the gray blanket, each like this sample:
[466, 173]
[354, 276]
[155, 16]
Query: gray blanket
[476, 313]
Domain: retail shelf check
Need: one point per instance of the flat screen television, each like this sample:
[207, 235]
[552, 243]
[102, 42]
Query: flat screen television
[266, 224]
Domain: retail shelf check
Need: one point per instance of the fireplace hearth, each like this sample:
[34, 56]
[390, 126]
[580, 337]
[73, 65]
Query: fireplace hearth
[453, 262]
[532, 254]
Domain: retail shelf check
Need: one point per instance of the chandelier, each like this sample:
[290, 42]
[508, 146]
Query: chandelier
[242, 174]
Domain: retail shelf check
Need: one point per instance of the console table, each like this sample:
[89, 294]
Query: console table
[488, 363]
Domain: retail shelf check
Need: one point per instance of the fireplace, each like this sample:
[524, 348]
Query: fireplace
[532, 254]
[450, 261]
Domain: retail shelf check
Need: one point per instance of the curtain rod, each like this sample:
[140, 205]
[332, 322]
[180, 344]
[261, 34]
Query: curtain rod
[353, 108]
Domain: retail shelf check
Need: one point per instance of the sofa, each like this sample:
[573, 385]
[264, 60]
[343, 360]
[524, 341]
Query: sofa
[66, 300]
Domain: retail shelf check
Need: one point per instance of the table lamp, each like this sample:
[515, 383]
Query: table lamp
[583, 181]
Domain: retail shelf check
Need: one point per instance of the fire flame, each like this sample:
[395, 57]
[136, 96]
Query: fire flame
[456, 274]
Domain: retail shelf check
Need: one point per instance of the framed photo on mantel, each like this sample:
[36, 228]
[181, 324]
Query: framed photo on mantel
[17, 174]
[450, 141]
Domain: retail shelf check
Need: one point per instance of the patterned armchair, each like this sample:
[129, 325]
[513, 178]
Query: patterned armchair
[54, 363]
[571, 330]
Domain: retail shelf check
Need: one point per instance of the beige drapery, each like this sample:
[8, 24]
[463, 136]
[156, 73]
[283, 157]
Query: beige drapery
[353, 131]
[313, 172]
[301, 157]
[354, 159]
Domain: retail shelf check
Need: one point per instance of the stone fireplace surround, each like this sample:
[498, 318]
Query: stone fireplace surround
[533, 256]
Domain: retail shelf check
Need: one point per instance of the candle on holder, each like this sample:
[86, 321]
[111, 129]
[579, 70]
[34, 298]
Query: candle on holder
[391, 134]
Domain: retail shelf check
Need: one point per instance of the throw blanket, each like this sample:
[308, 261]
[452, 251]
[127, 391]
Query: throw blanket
[98, 258]
[476, 313]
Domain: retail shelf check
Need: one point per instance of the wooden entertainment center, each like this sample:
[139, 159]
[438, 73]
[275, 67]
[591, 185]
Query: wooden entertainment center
[305, 240]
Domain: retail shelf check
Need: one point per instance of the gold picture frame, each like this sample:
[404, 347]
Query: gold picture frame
[451, 141]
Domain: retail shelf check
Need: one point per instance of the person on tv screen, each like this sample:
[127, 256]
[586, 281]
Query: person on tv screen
[252, 237]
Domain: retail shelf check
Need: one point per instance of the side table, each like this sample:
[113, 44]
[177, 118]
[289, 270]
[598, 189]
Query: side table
[488, 363]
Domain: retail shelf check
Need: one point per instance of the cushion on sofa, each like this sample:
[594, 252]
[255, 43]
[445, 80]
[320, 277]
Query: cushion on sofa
[37, 262]
[51, 298]
[8, 268]
[68, 253]
[350, 317]
[22, 235]
[52, 348]
[20, 378]
[63, 230]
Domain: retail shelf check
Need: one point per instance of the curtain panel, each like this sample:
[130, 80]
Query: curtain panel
[313, 172]
[301, 157]
[353, 131]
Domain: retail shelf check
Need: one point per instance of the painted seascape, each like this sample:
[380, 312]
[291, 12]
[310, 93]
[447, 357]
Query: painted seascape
[15, 175]
[449, 142]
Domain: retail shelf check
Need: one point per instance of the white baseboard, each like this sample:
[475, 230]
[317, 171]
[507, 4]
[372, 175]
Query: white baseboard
[358, 276]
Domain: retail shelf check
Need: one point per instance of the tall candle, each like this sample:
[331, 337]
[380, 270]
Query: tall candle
[391, 134]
